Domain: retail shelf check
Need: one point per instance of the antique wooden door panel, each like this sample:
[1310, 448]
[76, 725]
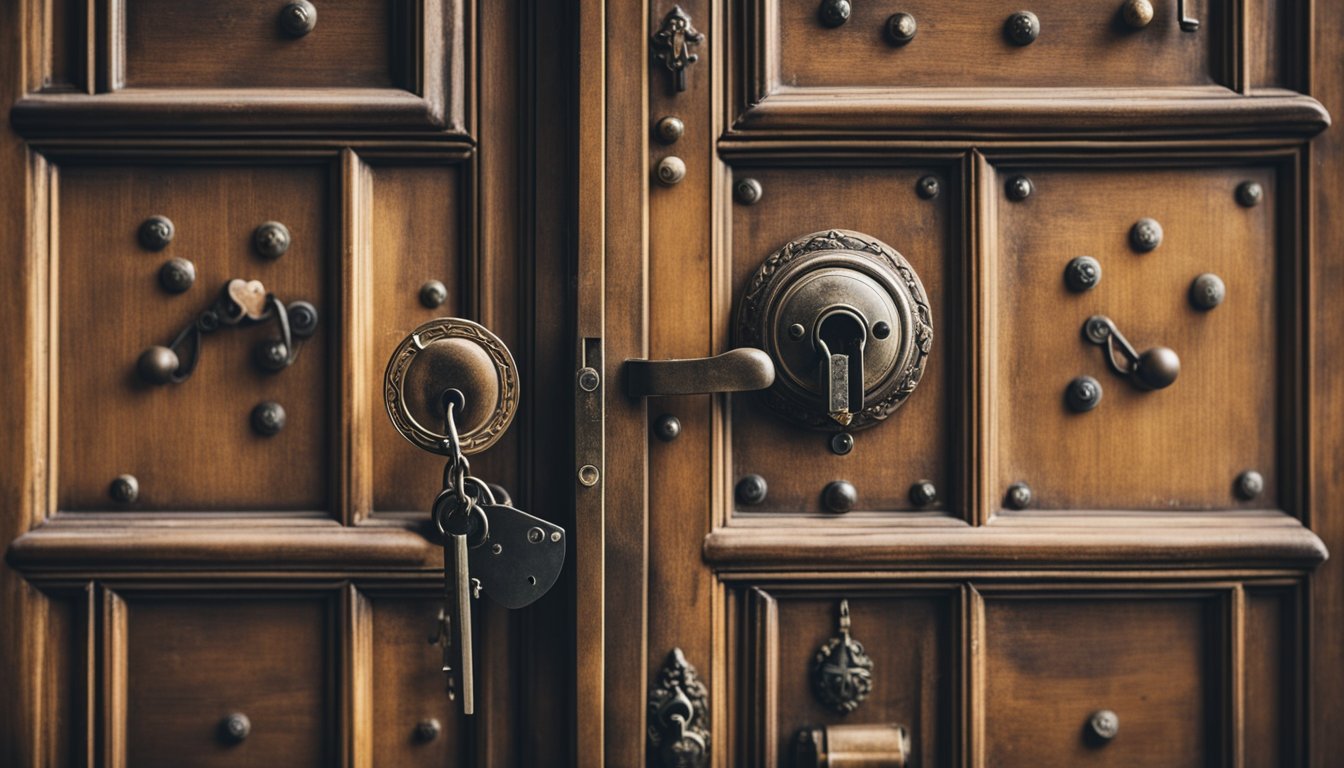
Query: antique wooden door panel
[222, 553]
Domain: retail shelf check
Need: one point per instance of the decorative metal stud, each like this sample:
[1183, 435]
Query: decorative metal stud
[1145, 235]
[797, 332]
[747, 191]
[678, 715]
[1103, 725]
[177, 275]
[842, 443]
[1022, 28]
[1137, 13]
[271, 239]
[669, 129]
[833, 13]
[157, 364]
[751, 490]
[923, 493]
[928, 187]
[588, 475]
[268, 418]
[671, 170]
[235, 728]
[1250, 193]
[427, 730]
[667, 427]
[156, 233]
[901, 28]
[1084, 394]
[298, 18]
[1019, 188]
[302, 319]
[271, 355]
[1249, 485]
[1018, 496]
[1207, 291]
[839, 496]
[125, 489]
[672, 45]
[842, 672]
[1082, 274]
[432, 294]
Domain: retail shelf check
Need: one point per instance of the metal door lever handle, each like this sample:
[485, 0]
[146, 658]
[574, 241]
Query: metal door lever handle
[738, 370]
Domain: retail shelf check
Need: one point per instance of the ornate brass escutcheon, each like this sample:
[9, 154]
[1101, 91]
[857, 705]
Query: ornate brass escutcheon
[679, 715]
[847, 323]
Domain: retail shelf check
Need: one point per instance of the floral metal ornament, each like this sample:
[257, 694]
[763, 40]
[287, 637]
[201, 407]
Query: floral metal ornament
[842, 673]
[672, 45]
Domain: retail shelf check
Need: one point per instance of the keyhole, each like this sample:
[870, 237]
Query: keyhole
[842, 334]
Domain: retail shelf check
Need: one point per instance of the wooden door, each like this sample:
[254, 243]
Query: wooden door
[1048, 558]
[235, 569]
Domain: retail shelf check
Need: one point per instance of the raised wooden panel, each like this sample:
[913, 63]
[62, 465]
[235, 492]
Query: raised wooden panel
[417, 233]
[190, 445]
[915, 443]
[908, 634]
[1272, 734]
[1176, 448]
[192, 661]
[408, 688]
[1051, 662]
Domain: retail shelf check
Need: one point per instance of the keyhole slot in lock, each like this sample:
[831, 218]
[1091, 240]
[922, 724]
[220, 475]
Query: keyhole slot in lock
[841, 337]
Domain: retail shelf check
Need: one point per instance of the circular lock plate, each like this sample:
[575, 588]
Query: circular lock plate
[451, 353]
[819, 274]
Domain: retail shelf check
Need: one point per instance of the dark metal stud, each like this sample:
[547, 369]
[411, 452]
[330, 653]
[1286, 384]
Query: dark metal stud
[1250, 193]
[589, 379]
[667, 427]
[157, 365]
[433, 293]
[881, 330]
[302, 319]
[156, 233]
[923, 493]
[1103, 725]
[1207, 291]
[1018, 496]
[1157, 368]
[671, 170]
[842, 443]
[1084, 394]
[177, 275]
[751, 490]
[271, 355]
[125, 489]
[427, 730]
[235, 728]
[1022, 28]
[1145, 235]
[669, 129]
[1137, 13]
[298, 18]
[747, 191]
[797, 331]
[928, 187]
[901, 28]
[1249, 485]
[833, 13]
[1082, 274]
[839, 496]
[1019, 188]
[268, 418]
[271, 239]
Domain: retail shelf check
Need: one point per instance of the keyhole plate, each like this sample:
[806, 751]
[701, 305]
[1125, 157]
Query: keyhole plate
[451, 353]
[811, 278]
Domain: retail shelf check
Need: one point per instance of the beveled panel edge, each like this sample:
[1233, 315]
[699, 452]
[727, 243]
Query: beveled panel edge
[1123, 541]
[1031, 113]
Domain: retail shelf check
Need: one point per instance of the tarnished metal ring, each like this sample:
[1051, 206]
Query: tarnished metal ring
[475, 538]
[394, 380]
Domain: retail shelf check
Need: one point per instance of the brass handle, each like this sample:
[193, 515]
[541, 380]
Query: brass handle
[738, 370]
[852, 746]
[1155, 368]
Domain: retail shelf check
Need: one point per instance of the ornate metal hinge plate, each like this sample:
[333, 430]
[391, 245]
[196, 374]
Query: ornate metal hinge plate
[679, 715]
[842, 671]
[672, 45]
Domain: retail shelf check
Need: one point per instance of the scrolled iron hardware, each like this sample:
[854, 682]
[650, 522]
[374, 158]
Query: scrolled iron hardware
[678, 715]
[842, 672]
[1154, 368]
[672, 45]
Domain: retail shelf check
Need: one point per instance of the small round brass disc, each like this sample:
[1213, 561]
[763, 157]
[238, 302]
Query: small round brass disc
[451, 353]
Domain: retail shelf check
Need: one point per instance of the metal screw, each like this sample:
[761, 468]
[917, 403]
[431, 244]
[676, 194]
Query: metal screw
[555, 535]
[1082, 274]
[496, 549]
[298, 18]
[833, 13]
[236, 727]
[901, 28]
[588, 475]
[881, 330]
[1019, 188]
[125, 489]
[271, 355]
[669, 129]
[671, 170]
[1019, 496]
[751, 490]
[1207, 291]
[268, 418]
[1145, 235]
[667, 427]
[923, 493]
[1083, 394]
[589, 379]
[535, 535]
[1022, 28]
[928, 187]
[271, 239]
[427, 730]
[433, 293]
[842, 443]
[156, 233]
[747, 191]
[796, 331]
[1104, 724]
[839, 496]
[1249, 485]
[1250, 193]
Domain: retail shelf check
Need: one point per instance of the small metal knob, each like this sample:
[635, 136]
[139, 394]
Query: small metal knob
[928, 187]
[669, 129]
[1249, 485]
[1157, 368]
[1082, 274]
[1250, 193]
[157, 365]
[1137, 13]
[842, 443]
[1022, 28]
[1145, 235]
[1103, 725]
[433, 293]
[235, 728]
[901, 28]
[271, 355]
[833, 13]
[923, 493]
[268, 418]
[177, 275]
[589, 379]
[125, 489]
[671, 170]
[1019, 188]
[427, 730]
[1083, 394]
[747, 191]
[1019, 496]
[156, 233]
[271, 239]
[298, 18]
[839, 496]
[751, 490]
[667, 427]
[1207, 291]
